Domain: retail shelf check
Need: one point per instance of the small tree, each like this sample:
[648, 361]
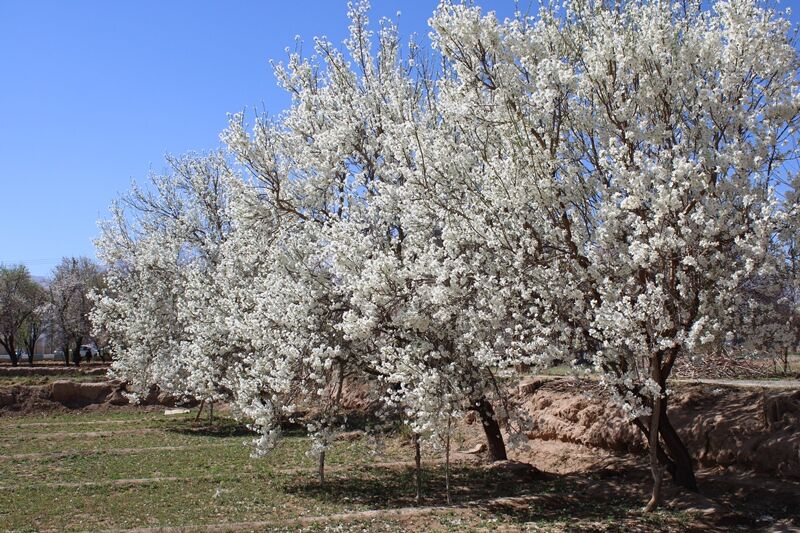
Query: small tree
[20, 298]
[33, 329]
[69, 304]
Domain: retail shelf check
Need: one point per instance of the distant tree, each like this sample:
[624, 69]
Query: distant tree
[33, 328]
[69, 303]
[19, 299]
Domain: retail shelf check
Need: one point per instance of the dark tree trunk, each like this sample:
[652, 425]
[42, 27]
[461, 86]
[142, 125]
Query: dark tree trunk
[66, 353]
[494, 438]
[30, 344]
[417, 469]
[676, 458]
[677, 451]
[76, 354]
[11, 348]
[641, 423]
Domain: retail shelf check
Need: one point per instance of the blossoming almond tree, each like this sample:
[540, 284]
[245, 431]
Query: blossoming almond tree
[596, 179]
[626, 156]
[315, 168]
[160, 248]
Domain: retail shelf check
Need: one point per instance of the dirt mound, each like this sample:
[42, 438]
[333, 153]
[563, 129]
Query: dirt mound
[722, 426]
[27, 399]
[757, 430]
[76, 393]
[580, 415]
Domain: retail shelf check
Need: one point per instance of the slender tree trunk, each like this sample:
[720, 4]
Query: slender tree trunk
[199, 411]
[786, 361]
[447, 462]
[494, 438]
[66, 353]
[417, 469]
[656, 468]
[644, 424]
[321, 470]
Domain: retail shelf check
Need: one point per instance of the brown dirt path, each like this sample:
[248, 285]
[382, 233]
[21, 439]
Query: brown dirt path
[791, 384]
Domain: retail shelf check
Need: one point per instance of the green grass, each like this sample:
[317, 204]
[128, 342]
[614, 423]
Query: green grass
[218, 482]
[10, 381]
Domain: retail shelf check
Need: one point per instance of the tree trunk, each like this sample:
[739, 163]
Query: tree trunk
[494, 438]
[676, 459]
[76, 354]
[66, 353]
[656, 467]
[417, 469]
[202, 403]
[321, 470]
[643, 424]
[683, 474]
[7, 342]
[447, 462]
[786, 361]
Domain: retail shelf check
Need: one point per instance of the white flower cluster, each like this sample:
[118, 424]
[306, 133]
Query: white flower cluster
[597, 182]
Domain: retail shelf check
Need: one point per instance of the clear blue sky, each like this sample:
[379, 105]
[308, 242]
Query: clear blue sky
[93, 94]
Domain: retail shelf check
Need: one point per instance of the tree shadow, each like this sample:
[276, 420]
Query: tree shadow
[224, 426]
[613, 498]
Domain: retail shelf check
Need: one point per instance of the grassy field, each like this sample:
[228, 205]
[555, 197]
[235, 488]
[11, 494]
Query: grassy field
[116, 470]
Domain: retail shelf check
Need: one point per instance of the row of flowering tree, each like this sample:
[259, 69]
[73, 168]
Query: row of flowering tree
[607, 179]
[57, 307]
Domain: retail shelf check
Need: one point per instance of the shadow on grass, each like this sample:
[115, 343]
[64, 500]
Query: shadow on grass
[598, 502]
[226, 427]
[223, 427]
[295, 427]
[394, 488]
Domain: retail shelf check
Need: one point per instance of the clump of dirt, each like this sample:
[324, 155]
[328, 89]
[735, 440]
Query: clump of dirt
[753, 429]
[359, 396]
[562, 409]
[65, 393]
[756, 430]
[27, 399]
[71, 393]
